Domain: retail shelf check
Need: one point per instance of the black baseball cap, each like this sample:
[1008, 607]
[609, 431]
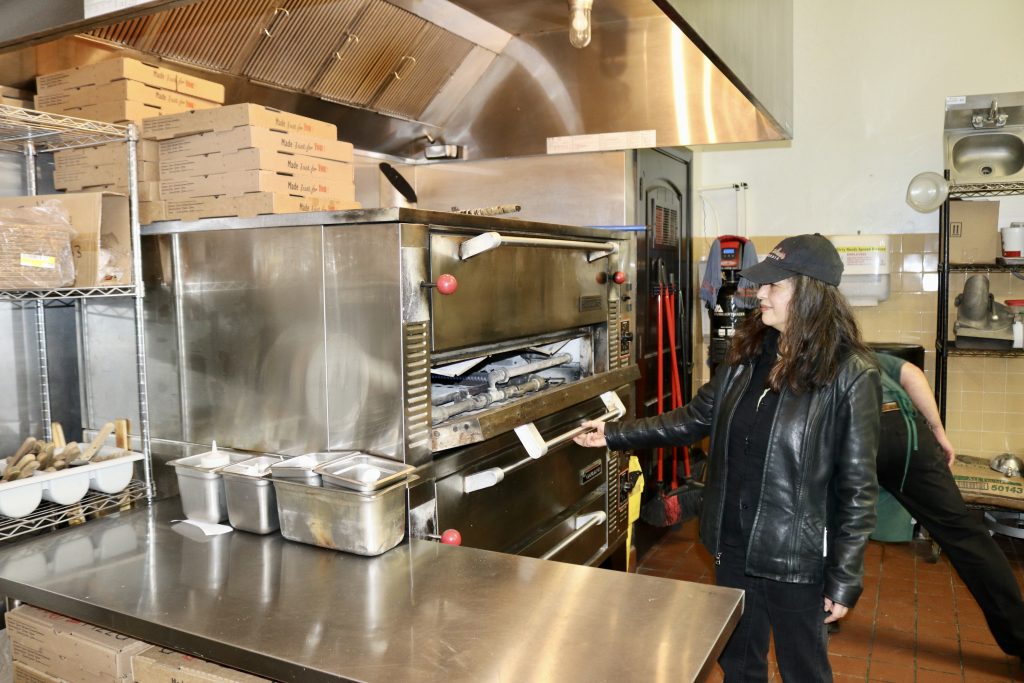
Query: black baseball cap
[811, 255]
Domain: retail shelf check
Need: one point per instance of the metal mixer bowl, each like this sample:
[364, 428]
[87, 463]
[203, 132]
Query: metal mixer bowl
[1007, 464]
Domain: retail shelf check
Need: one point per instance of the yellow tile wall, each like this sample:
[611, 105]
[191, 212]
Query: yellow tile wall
[985, 396]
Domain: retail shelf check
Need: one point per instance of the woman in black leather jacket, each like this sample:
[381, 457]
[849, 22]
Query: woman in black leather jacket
[790, 496]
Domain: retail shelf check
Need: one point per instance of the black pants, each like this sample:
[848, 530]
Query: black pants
[932, 497]
[793, 612]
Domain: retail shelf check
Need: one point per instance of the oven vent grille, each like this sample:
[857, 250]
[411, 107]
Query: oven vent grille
[614, 352]
[416, 348]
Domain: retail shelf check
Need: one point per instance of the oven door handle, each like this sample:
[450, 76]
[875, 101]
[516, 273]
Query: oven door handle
[492, 240]
[583, 523]
[537, 447]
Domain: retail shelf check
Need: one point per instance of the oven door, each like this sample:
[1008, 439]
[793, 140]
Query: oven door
[533, 504]
[516, 291]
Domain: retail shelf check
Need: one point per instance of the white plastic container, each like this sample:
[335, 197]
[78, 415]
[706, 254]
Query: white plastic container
[866, 268]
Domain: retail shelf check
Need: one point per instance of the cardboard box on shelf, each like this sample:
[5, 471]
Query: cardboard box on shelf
[244, 137]
[973, 231]
[168, 101]
[230, 116]
[160, 665]
[241, 182]
[252, 159]
[244, 206]
[114, 112]
[26, 674]
[113, 153]
[69, 649]
[979, 483]
[77, 178]
[101, 221]
[199, 87]
[14, 97]
[108, 70]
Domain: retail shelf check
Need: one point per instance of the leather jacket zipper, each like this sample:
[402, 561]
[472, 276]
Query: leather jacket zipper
[725, 459]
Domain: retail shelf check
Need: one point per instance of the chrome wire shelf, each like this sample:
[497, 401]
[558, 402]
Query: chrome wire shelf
[53, 132]
[67, 293]
[986, 190]
[982, 267]
[51, 515]
[952, 350]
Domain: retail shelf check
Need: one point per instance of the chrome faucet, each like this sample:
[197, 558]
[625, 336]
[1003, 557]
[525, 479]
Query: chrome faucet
[994, 119]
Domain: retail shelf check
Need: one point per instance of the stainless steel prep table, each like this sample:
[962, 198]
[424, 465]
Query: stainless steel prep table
[423, 611]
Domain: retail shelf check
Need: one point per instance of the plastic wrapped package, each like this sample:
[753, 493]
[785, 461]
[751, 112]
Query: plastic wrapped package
[35, 247]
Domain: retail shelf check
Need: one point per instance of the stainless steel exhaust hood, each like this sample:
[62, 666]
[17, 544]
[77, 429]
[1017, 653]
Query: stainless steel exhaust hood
[496, 78]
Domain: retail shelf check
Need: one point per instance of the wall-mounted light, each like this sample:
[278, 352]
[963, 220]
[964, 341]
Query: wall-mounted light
[927, 191]
[579, 22]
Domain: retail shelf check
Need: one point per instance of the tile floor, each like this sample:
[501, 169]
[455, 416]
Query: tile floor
[915, 622]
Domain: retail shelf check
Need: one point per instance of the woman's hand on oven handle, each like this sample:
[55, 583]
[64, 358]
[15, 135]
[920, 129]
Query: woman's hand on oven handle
[593, 437]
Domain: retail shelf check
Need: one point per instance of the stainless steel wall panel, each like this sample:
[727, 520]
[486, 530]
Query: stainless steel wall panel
[593, 189]
[19, 377]
[252, 304]
[363, 327]
[108, 362]
[513, 292]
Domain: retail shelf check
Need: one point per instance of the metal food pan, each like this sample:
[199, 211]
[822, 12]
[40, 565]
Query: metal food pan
[301, 467]
[251, 500]
[360, 523]
[363, 472]
[202, 488]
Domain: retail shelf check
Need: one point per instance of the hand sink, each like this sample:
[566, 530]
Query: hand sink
[984, 157]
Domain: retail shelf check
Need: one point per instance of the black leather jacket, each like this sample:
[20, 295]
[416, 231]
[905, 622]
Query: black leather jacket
[819, 473]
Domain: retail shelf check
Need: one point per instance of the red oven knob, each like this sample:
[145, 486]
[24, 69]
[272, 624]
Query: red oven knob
[446, 284]
[451, 537]
[618, 277]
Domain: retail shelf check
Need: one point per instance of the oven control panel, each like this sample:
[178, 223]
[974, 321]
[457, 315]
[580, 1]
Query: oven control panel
[625, 339]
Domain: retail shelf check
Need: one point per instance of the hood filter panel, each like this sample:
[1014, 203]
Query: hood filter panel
[303, 43]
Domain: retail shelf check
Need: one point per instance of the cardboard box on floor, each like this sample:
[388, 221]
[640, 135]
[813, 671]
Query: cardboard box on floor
[69, 649]
[127, 68]
[254, 158]
[26, 674]
[974, 231]
[979, 483]
[244, 137]
[226, 118]
[101, 221]
[160, 665]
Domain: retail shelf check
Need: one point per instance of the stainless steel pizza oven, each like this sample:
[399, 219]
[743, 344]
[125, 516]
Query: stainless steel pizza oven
[469, 347]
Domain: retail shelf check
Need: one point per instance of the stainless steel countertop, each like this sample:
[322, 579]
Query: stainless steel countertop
[421, 612]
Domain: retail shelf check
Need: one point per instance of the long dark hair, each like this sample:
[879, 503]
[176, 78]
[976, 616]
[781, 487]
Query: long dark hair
[820, 332]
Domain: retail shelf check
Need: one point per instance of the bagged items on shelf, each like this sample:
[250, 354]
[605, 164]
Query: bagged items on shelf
[35, 247]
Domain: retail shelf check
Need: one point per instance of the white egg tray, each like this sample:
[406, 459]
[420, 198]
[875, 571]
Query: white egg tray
[67, 486]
